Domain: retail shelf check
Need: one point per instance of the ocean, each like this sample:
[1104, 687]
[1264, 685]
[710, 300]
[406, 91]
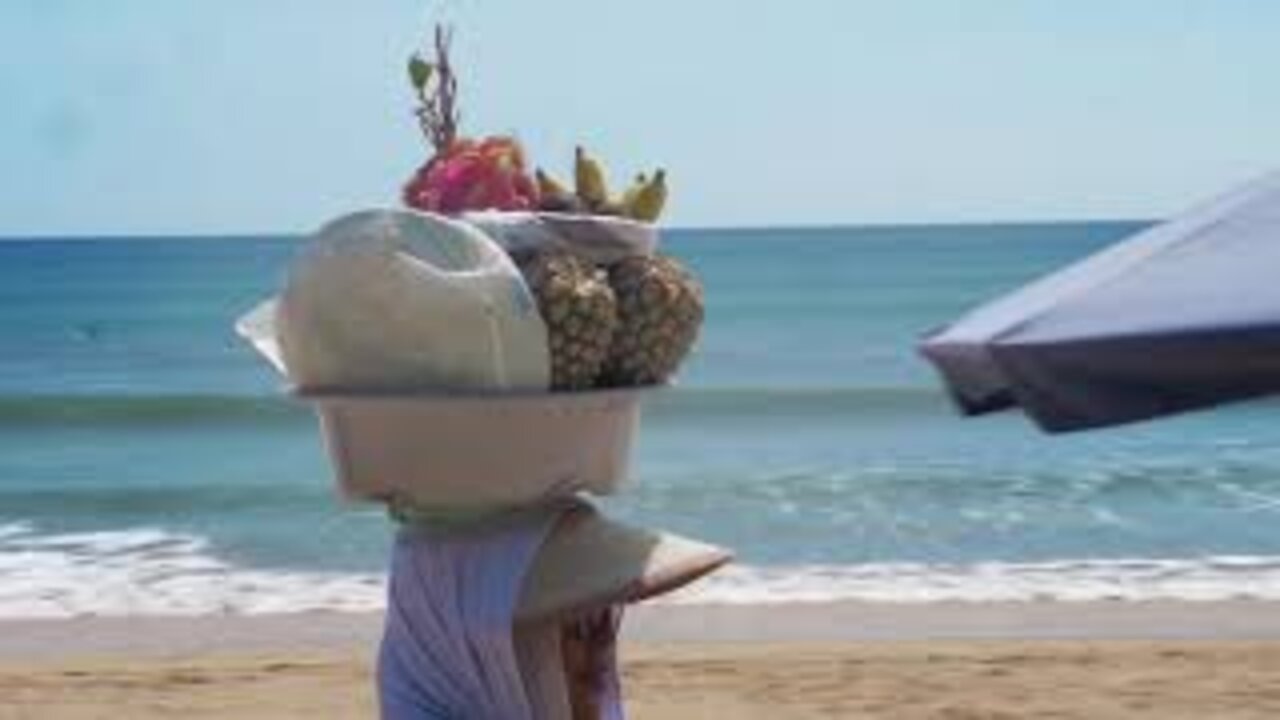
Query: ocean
[149, 463]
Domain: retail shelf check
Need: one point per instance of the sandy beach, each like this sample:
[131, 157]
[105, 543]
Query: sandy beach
[951, 662]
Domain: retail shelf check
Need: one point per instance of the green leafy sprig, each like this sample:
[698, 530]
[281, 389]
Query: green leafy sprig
[436, 87]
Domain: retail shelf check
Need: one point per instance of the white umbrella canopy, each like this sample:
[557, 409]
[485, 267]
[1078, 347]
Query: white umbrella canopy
[1181, 316]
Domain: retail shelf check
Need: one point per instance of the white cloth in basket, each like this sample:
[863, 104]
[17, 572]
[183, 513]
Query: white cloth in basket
[395, 300]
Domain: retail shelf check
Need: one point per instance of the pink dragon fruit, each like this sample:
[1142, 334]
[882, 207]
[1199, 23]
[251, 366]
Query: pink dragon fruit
[488, 175]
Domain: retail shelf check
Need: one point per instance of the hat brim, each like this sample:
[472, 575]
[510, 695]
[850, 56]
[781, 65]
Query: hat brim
[589, 561]
[258, 327]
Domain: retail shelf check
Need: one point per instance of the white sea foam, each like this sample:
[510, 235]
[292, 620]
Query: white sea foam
[153, 572]
[1199, 579]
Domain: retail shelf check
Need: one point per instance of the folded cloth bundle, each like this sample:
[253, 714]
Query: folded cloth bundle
[392, 300]
[516, 620]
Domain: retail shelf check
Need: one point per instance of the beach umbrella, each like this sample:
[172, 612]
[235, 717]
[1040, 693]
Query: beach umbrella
[1181, 316]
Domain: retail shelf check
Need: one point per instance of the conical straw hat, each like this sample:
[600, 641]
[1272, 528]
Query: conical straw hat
[590, 561]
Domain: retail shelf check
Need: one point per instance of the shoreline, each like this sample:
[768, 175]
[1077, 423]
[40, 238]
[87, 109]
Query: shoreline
[324, 632]
[947, 661]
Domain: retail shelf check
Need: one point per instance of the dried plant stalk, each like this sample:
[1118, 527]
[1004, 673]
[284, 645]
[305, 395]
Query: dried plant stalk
[437, 88]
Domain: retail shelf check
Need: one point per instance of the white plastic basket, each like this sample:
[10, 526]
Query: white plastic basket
[472, 452]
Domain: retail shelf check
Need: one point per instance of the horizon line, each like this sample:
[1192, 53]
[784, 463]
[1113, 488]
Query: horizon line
[240, 235]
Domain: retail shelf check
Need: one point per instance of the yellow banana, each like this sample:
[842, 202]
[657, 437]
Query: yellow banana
[549, 187]
[554, 197]
[628, 200]
[589, 179]
[650, 198]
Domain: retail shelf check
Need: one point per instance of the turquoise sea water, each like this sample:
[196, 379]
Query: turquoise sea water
[148, 462]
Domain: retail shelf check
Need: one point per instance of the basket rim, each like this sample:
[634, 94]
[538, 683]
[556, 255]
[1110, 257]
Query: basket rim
[475, 396]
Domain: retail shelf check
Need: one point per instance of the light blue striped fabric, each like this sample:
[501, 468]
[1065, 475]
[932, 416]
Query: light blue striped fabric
[448, 649]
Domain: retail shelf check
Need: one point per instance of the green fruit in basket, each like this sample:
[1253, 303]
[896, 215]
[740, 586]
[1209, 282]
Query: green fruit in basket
[659, 315]
[580, 312]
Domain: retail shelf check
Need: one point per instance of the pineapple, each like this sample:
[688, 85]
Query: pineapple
[659, 315]
[580, 312]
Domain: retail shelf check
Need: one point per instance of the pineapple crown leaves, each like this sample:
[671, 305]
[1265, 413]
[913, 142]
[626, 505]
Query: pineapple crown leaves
[436, 87]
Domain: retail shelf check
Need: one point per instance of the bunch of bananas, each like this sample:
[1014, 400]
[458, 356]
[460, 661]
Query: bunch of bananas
[642, 201]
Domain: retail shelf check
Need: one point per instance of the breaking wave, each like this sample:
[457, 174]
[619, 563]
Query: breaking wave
[149, 571]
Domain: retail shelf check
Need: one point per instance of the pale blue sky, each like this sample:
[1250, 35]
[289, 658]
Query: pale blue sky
[164, 116]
